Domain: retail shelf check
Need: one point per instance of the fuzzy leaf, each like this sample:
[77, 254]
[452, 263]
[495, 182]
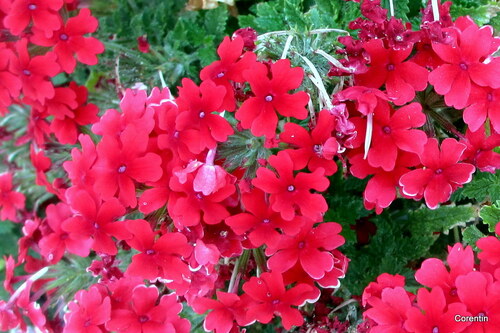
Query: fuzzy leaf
[491, 215]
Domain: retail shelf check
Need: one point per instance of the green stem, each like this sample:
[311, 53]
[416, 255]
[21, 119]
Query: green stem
[445, 123]
[238, 270]
[260, 260]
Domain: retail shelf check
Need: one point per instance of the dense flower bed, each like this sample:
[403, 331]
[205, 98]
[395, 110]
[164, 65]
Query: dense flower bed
[216, 197]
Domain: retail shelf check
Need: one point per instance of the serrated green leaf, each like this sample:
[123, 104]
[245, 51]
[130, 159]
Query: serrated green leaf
[491, 215]
[484, 186]
[401, 8]
[471, 235]
[441, 219]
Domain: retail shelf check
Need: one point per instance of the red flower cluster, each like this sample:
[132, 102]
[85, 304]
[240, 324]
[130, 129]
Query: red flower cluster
[389, 146]
[461, 296]
[158, 155]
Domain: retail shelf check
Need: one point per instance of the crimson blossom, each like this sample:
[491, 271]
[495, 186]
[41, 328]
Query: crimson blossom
[442, 173]
[271, 88]
[290, 192]
[69, 41]
[43, 13]
[10, 200]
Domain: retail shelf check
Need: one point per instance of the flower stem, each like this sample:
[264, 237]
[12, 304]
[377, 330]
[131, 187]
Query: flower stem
[260, 259]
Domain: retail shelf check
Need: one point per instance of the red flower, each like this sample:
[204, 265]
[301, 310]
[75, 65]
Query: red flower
[260, 221]
[121, 162]
[315, 149]
[271, 95]
[35, 73]
[433, 273]
[384, 280]
[159, 258]
[44, 14]
[65, 126]
[270, 297]
[10, 200]
[10, 85]
[196, 107]
[96, 219]
[143, 44]
[381, 189]
[78, 168]
[464, 64]
[229, 68]
[434, 315]
[389, 311]
[289, 192]
[484, 102]
[442, 173]
[226, 309]
[88, 312]
[69, 41]
[482, 298]
[388, 66]
[480, 149]
[146, 314]
[393, 132]
[490, 253]
[53, 245]
[310, 247]
[186, 205]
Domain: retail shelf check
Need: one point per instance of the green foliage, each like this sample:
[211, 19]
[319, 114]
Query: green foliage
[401, 8]
[401, 241]
[491, 215]
[484, 186]
[482, 11]
[471, 235]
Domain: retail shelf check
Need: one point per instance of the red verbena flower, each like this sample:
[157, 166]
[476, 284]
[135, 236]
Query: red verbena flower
[290, 192]
[88, 312]
[388, 66]
[69, 41]
[10, 200]
[442, 173]
[43, 13]
[271, 89]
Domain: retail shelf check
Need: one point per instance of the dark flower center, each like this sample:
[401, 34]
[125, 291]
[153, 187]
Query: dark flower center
[489, 97]
[276, 301]
[143, 319]
[435, 329]
[317, 148]
[63, 37]
[269, 98]
[122, 168]
[481, 314]
[266, 221]
[386, 129]
[27, 72]
[463, 66]
[202, 114]
[221, 74]
[301, 245]
[87, 323]
[453, 292]
[150, 252]
[64, 236]
[438, 171]
[176, 134]
[390, 67]
[32, 6]
[291, 188]
[96, 225]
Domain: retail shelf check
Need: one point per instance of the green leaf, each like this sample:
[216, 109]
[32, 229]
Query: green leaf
[471, 235]
[401, 8]
[491, 215]
[484, 186]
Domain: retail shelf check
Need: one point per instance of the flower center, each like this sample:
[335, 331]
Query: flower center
[199, 196]
[390, 67]
[489, 97]
[96, 225]
[266, 221]
[386, 129]
[481, 314]
[150, 252]
[122, 168]
[27, 72]
[453, 292]
[32, 6]
[202, 114]
[63, 37]
[64, 236]
[301, 245]
[276, 301]
[438, 171]
[221, 74]
[223, 234]
[143, 319]
[176, 134]
[317, 149]
[87, 323]
[463, 66]
[291, 188]
[435, 329]
[398, 38]
[269, 98]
